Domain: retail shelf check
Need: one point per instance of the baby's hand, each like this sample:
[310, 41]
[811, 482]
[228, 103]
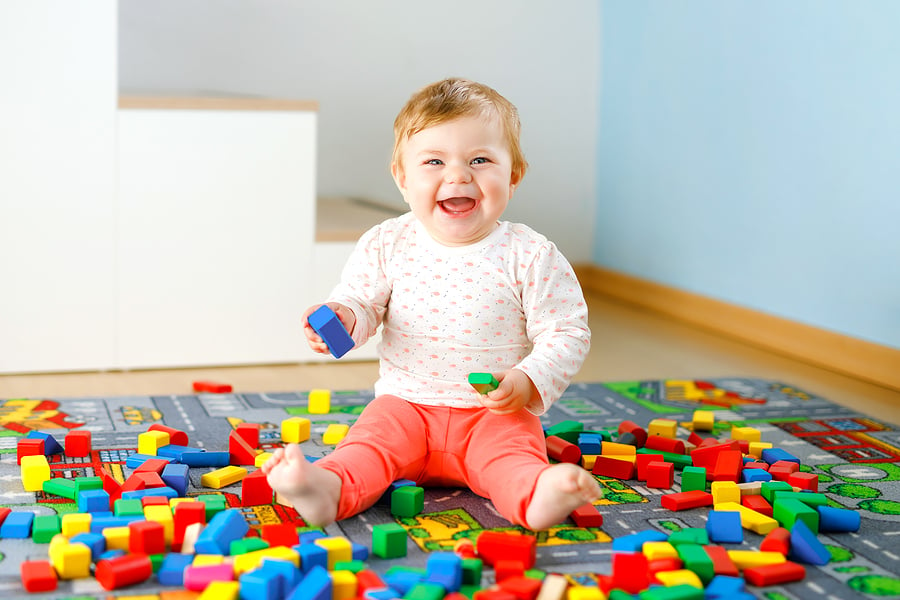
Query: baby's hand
[515, 392]
[346, 316]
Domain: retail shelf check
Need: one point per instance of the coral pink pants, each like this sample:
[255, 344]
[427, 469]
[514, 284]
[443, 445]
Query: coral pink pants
[496, 456]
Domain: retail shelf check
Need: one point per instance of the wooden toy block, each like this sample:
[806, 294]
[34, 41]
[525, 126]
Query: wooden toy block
[29, 447]
[483, 382]
[770, 488]
[522, 588]
[617, 467]
[725, 491]
[553, 588]
[51, 445]
[562, 451]
[319, 402]
[211, 387]
[92, 501]
[146, 537]
[162, 514]
[773, 455]
[407, 501]
[221, 590]
[833, 519]
[643, 459]
[722, 563]
[255, 490]
[747, 559]
[617, 449]
[280, 534]
[295, 430]
[658, 550]
[74, 523]
[806, 547]
[150, 442]
[686, 500]
[35, 471]
[202, 560]
[117, 538]
[206, 459]
[724, 527]
[591, 443]
[197, 579]
[315, 585]
[71, 561]
[775, 574]
[389, 540]
[750, 434]
[662, 427]
[334, 433]
[329, 327]
[261, 459]
[494, 545]
[693, 536]
[582, 592]
[171, 571]
[44, 527]
[587, 515]
[38, 576]
[339, 549]
[633, 429]
[665, 444]
[757, 503]
[679, 577]
[705, 456]
[660, 475]
[176, 477]
[693, 478]
[750, 475]
[787, 511]
[224, 527]
[727, 466]
[222, 477]
[629, 572]
[78, 443]
[755, 449]
[17, 525]
[249, 432]
[246, 545]
[588, 461]
[152, 465]
[239, 451]
[176, 436]
[58, 486]
[126, 508]
[261, 584]
[445, 569]
[750, 519]
[704, 420]
[804, 481]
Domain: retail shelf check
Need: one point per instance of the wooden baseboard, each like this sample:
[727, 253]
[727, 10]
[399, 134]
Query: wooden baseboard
[857, 358]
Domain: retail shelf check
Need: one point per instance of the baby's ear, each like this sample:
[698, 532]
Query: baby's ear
[398, 175]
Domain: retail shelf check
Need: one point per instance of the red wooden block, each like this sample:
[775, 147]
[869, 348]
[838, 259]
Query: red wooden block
[706, 455]
[152, 465]
[186, 513]
[671, 563]
[694, 439]
[38, 576]
[665, 444]
[255, 490]
[757, 464]
[728, 466]
[560, 450]
[641, 462]
[280, 534]
[613, 467]
[804, 481]
[523, 588]
[213, 387]
[367, 579]
[239, 451]
[757, 503]
[504, 569]
[154, 501]
[250, 433]
[133, 484]
[4, 512]
[492, 594]
[176, 436]
[686, 500]
[660, 475]
[28, 447]
[587, 516]
[782, 469]
[629, 571]
[497, 545]
[78, 443]
[777, 540]
[146, 537]
[118, 572]
[151, 479]
[776, 574]
[110, 485]
[636, 430]
[722, 563]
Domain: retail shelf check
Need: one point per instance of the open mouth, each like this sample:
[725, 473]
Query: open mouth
[457, 206]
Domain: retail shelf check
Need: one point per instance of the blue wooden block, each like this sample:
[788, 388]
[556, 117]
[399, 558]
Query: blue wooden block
[17, 525]
[359, 552]
[806, 547]
[315, 585]
[325, 323]
[177, 477]
[403, 581]
[750, 475]
[724, 527]
[284, 569]
[311, 555]
[590, 443]
[444, 568]
[165, 492]
[205, 459]
[838, 519]
[773, 455]
[386, 496]
[384, 593]
[176, 452]
[308, 537]
[260, 584]
[137, 459]
[724, 586]
[98, 523]
[51, 446]
[635, 542]
[93, 501]
[171, 572]
[111, 554]
[222, 529]
[95, 541]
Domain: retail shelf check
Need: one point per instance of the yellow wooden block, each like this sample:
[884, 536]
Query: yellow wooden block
[319, 402]
[585, 592]
[252, 560]
[334, 433]
[35, 471]
[750, 519]
[679, 577]
[71, 561]
[747, 559]
[343, 584]
[295, 430]
[117, 538]
[655, 550]
[151, 441]
[664, 427]
[588, 460]
[339, 549]
[623, 457]
[162, 514]
[704, 420]
[201, 560]
[221, 590]
[756, 448]
[75, 523]
[749, 434]
[223, 477]
[261, 459]
[725, 491]
[615, 449]
[174, 502]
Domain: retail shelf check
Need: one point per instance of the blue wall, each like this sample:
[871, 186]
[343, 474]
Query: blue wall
[750, 152]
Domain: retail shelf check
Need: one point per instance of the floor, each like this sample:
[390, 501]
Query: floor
[627, 344]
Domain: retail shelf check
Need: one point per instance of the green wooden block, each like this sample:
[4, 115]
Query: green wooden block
[693, 479]
[565, 427]
[689, 535]
[426, 591]
[354, 566]
[59, 486]
[245, 545]
[407, 501]
[769, 488]
[471, 571]
[535, 574]
[681, 591]
[697, 560]
[788, 511]
[469, 591]
[389, 540]
[156, 560]
[88, 483]
[215, 503]
[44, 527]
[808, 498]
[483, 382]
[128, 508]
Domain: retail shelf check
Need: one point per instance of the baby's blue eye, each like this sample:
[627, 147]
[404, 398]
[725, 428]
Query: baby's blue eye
[480, 160]
[434, 161]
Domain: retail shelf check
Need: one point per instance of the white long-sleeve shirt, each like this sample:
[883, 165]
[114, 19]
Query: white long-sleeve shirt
[508, 301]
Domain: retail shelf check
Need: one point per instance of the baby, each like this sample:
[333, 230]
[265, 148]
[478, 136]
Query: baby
[456, 291]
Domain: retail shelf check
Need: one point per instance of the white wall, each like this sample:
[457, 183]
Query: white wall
[362, 60]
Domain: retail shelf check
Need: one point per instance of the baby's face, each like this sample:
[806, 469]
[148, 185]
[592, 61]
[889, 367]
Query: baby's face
[456, 178]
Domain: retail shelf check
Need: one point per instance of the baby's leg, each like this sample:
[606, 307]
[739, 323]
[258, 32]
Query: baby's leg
[560, 489]
[314, 492]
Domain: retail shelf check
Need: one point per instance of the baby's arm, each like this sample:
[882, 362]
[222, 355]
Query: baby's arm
[344, 314]
[515, 392]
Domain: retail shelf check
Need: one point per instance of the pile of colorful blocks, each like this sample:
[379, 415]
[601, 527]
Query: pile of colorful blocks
[126, 533]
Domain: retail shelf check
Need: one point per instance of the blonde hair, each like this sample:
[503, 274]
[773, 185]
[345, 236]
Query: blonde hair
[454, 98]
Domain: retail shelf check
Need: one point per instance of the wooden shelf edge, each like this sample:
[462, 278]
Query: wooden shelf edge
[868, 361]
[212, 103]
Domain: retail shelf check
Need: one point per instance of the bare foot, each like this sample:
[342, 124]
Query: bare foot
[560, 489]
[314, 492]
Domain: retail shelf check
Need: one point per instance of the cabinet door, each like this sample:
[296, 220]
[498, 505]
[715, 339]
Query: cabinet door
[216, 227]
[57, 184]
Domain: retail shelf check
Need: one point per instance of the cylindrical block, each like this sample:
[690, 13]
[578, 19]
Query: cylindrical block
[128, 569]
